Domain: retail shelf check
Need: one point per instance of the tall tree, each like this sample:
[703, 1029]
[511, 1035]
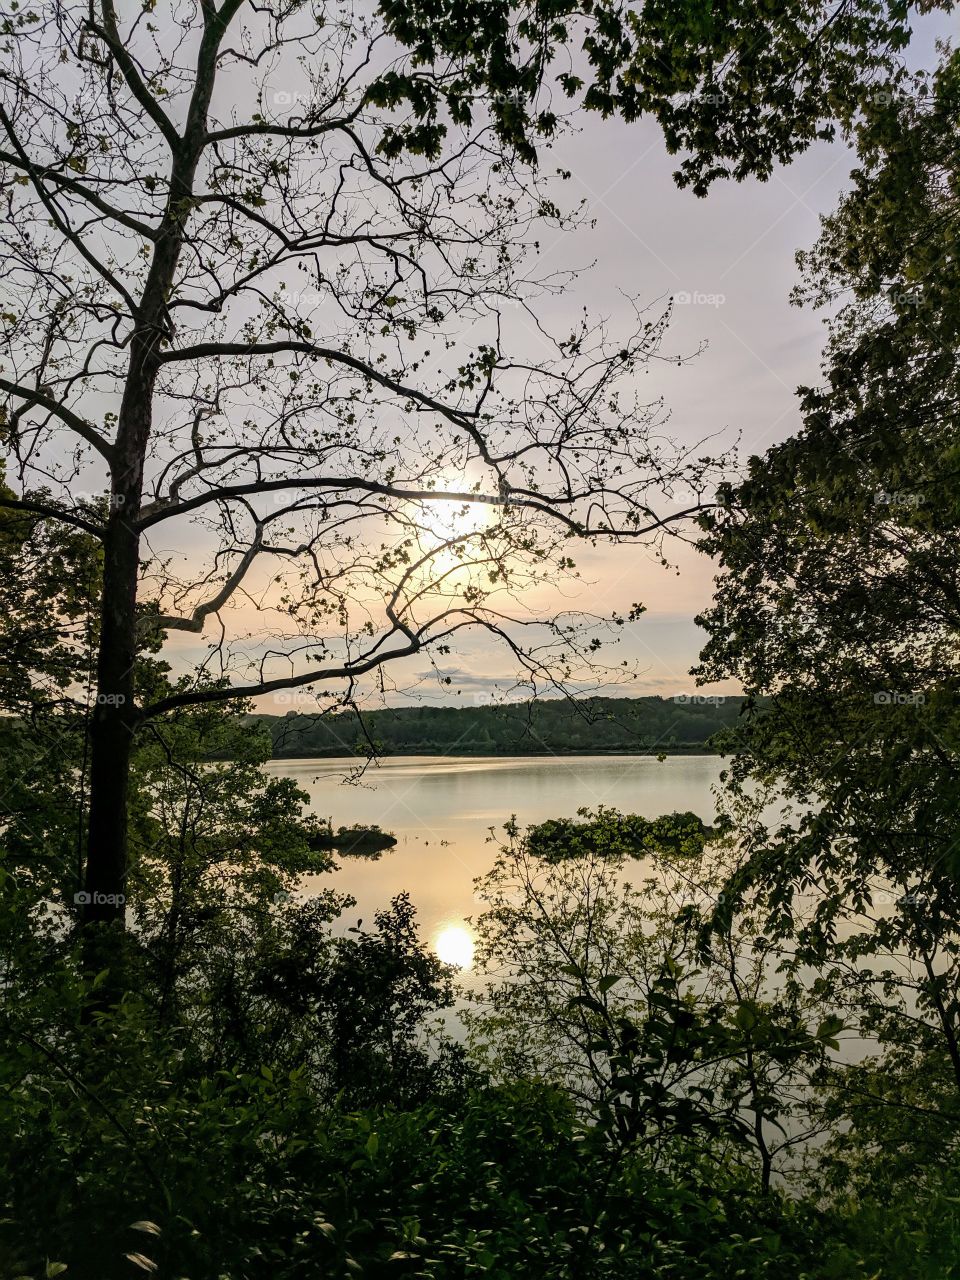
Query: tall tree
[840, 597]
[256, 261]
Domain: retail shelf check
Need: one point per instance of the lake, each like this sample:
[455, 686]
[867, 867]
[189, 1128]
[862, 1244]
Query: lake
[445, 810]
[448, 814]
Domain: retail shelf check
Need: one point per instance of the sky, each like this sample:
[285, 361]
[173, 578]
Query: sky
[728, 262]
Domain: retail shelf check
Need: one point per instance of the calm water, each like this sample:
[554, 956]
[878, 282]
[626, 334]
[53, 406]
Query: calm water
[442, 810]
[448, 814]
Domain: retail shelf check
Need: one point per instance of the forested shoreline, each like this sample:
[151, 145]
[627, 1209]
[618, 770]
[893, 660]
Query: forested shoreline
[642, 726]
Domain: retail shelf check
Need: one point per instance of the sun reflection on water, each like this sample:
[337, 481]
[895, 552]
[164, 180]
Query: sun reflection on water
[454, 945]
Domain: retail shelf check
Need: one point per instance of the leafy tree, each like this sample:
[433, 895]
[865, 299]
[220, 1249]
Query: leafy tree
[507, 1183]
[838, 599]
[594, 985]
[608, 834]
[582, 724]
[49, 579]
[262, 1095]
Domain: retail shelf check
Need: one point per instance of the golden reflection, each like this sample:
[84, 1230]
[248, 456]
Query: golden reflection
[454, 945]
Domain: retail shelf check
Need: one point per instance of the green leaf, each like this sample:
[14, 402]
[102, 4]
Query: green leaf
[829, 1027]
[746, 1017]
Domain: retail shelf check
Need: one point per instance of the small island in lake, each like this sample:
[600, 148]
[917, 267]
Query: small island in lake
[353, 842]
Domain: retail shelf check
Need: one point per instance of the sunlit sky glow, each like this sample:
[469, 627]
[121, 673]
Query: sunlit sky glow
[728, 263]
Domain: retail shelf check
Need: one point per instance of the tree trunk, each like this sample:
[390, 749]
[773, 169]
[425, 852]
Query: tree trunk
[114, 718]
[112, 727]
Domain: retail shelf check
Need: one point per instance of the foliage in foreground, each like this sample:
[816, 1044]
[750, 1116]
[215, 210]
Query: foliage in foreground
[294, 1111]
[243, 1175]
[269, 1096]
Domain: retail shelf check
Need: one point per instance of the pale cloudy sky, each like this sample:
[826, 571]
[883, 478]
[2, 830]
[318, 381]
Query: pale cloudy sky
[729, 263]
[732, 255]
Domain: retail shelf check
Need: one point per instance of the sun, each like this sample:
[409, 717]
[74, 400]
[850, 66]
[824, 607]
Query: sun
[448, 518]
[454, 945]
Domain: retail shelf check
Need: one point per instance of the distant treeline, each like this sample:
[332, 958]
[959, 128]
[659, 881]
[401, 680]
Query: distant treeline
[642, 725]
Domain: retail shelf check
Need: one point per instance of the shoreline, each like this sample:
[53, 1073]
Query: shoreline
[695, 749]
